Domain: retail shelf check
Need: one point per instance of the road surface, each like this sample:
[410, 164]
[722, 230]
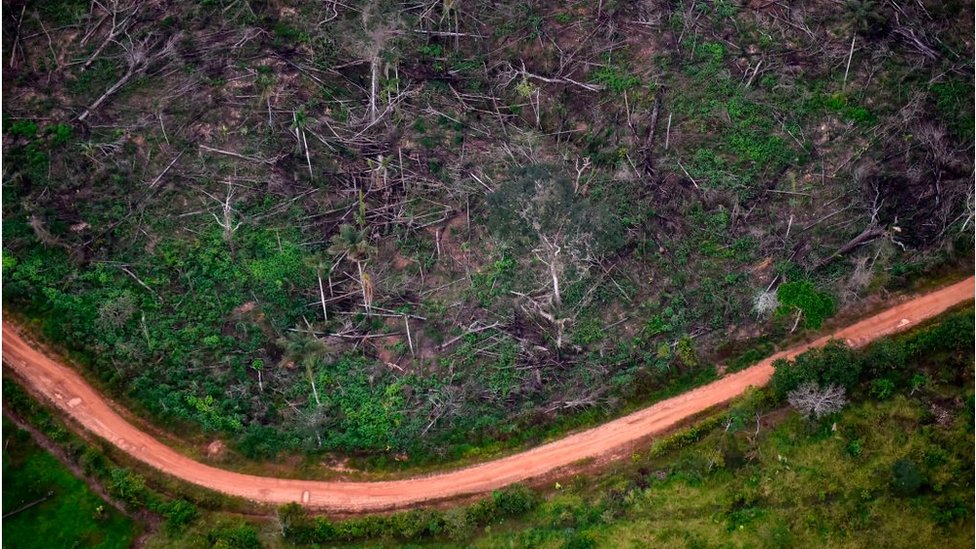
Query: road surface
[75, 397]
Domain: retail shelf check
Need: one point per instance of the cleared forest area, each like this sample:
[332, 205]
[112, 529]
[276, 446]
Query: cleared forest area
[420, 232]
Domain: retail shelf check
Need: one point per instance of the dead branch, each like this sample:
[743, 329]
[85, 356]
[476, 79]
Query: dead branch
[268, 161]
[141, 283]
[138, 58]
[162, 173]
[119, 28]
[470, 330]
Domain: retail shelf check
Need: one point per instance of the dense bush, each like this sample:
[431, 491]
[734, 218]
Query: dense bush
[885, 357]
[883, 367]
[833, 364]
[816, 306]
[238, 536]
[906, 479]
[513, 501]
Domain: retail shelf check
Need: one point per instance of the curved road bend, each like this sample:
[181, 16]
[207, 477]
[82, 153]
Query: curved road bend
[69, 392]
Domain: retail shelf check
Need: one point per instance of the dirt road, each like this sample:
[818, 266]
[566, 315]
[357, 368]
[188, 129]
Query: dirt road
[74, 396]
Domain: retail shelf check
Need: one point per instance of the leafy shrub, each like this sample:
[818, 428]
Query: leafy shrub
[457, 523]
[833, 364]
[955, 333]
[882, 389]
[179, 513]
[588, 331]
[954, 101]
[816, 306]
[128, 486]
[22, 128]
[582, 540]
[240, 536]
[494, 281]
[685, 351]
[514, 501]
[906, 479]
[885, 357]
[615, 79]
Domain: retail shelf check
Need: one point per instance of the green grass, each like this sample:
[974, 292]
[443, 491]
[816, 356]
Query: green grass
[804, 489]
[72, 517]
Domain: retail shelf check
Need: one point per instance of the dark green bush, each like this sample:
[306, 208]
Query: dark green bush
[513, 501]
[906, 479]
[239, 536]
[885, 357]
[882, 389]
[129, 487]
[179, 514]
[833, 364]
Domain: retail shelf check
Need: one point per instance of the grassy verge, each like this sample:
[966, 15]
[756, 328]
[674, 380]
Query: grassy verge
[69, 513]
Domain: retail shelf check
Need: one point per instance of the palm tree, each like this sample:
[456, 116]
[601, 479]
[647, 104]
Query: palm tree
[355, 246]
[322, 265]
[302, 347]
[867, 17]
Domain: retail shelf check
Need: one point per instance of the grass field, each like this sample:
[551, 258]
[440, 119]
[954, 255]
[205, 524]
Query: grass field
[882, 475]
[72, 517]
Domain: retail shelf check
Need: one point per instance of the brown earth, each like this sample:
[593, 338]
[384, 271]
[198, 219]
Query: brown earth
[74, 396]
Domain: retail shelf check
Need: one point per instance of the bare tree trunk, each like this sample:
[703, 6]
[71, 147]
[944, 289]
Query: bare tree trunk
[108, 93]
[374, 65]
[362, 284]
[406, 322]
[322, 297]
[311, 379]
[647, 152]
[557, 298]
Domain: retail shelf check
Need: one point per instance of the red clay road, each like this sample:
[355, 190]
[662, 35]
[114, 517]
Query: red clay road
[69, 392]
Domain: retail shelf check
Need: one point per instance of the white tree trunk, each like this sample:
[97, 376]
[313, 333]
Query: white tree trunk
[557, 298]
[311, 379]
[374, 85]
[362, 284]
[322, 297]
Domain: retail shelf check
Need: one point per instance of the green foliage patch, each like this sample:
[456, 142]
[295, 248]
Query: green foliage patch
[816, 306]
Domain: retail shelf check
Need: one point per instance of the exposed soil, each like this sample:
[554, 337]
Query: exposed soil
[70, 393]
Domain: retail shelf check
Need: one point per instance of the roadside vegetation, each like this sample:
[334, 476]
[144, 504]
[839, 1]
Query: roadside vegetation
[891, 464]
